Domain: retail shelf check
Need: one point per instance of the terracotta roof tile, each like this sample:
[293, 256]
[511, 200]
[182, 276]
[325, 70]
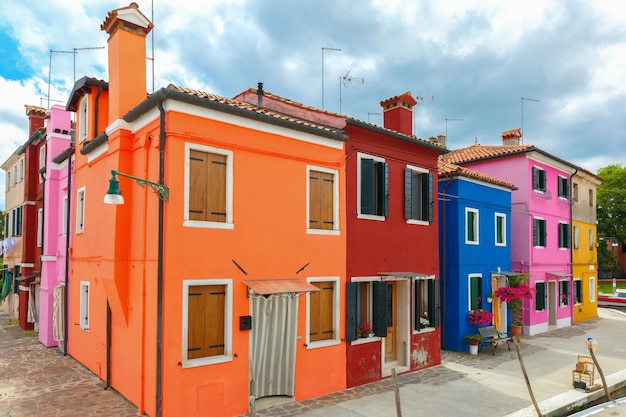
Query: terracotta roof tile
[479, 152]
[250, 107]
[447, 170]
[35, 111]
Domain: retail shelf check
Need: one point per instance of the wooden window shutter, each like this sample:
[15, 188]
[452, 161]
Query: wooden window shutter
[470, 226]
[321, 312]
[351, 311]
[207, 186]
[205, 321]
[417, 303]
[367, 186]
[315, 200]
[433, 300]
[535, 232]
[542, 232]
[327, 192]
[385, 190]
[475, 293]
[379, 307]
[540, 296]
[431, 197]
[408, 193]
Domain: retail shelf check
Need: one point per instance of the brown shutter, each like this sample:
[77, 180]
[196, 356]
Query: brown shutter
[315, 210]
[205, 321]
[321, 312]
[207, 186]
[315, 333]
[198, 185]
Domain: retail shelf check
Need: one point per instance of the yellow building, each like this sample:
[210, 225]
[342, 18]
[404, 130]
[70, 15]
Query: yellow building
[584, 248]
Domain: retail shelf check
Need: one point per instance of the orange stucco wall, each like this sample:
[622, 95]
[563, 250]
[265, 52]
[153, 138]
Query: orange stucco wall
[118, 255]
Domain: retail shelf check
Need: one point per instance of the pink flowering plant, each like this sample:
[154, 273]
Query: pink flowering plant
[479, 317]
[514, 296]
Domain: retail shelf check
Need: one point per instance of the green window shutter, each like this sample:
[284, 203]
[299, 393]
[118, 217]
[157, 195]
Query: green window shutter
[417, 299]
[470, 226]
[433, 302]
[535, 179]
[431, 197]
[379, 307]
[540, 296]
[408, 193]
[383, 190]
[351, 311]
[475, 293]
[367, 186]
[542, 180]
[542, 232]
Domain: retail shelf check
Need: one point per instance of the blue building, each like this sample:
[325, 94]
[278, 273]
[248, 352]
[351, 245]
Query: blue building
[475, 225]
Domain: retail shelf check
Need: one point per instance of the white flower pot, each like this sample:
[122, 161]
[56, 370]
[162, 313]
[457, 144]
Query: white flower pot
[473, 350]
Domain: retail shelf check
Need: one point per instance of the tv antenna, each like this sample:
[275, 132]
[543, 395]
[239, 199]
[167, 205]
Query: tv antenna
[523, 100]
[345, 79]
[452, 120]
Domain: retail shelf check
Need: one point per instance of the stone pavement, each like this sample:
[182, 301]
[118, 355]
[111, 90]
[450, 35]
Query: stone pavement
[36, 381]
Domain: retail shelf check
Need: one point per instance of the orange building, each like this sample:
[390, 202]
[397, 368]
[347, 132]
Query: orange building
[225, 282]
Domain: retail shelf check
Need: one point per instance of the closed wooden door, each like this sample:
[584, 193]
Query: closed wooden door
[391, 353]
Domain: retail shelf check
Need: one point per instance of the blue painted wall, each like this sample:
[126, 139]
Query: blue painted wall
[459, 260]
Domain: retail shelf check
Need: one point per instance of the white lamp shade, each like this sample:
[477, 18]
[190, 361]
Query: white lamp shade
[113, 199]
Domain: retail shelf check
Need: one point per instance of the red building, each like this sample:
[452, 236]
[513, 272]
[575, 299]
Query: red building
[392, 252]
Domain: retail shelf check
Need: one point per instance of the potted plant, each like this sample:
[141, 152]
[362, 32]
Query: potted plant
[473, 340]
[364, 330]
[490, 298]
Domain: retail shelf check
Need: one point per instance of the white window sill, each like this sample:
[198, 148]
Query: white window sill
[209, 360]
[322, 343]
[365, 340]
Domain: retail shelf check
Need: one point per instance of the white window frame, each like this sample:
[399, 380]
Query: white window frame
[336, 303]
[39, 227]
[579, 281]
[422, 171]
[370, 310]
[83, 118]
[419, 281]
[476, 228]
[21, 169]
[81, 195]
[567, 182]
[335, 174]
[227, 356]
[565, 241]
[84, 305]
[14, 174]
[358, 187]
[592, 289]
[228, 224]
[469, 290]
[545, 228]
[591, 240]
[575, 233]
[495, 226]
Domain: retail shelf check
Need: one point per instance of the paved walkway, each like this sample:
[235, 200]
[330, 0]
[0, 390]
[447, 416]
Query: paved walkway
[36, 381]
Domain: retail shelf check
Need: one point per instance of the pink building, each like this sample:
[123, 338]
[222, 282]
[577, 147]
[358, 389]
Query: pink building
[53, 235]
[540, 223]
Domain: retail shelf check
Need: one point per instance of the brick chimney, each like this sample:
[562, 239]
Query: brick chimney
[36, 116]
[127, 28]
[439, 140]
[511, 137]
[398, 113]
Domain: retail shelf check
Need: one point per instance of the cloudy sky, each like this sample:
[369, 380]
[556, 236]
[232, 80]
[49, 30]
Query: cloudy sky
[469, 62]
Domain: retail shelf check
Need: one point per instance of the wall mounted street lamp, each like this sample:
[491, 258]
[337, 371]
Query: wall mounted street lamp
[114, 194]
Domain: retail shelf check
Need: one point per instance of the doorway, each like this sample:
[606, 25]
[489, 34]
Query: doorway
[552, 303]
[391, 353]
[273, 344]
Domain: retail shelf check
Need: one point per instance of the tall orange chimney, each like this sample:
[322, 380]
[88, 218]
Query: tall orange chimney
[127, 28]
[398, 113]
[36, 116]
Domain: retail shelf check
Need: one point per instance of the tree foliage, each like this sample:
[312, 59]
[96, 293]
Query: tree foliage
[611, 202]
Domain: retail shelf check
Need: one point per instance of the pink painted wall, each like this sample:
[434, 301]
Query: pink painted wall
[526, 204]
[57, 141]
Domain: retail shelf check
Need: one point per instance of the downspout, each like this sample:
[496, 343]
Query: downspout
[443, 261]
[67, 247]
[159, 352]
[95, 112]
[108, 349]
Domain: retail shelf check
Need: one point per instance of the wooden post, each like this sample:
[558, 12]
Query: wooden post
[397, 392]
[530, 390]
[606, 387]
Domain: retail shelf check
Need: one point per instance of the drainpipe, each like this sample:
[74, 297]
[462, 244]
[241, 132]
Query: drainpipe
[443, 261]
[159, 352]
[67, 246]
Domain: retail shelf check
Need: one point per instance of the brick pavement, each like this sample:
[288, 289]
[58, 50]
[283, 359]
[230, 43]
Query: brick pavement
[36, 381]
